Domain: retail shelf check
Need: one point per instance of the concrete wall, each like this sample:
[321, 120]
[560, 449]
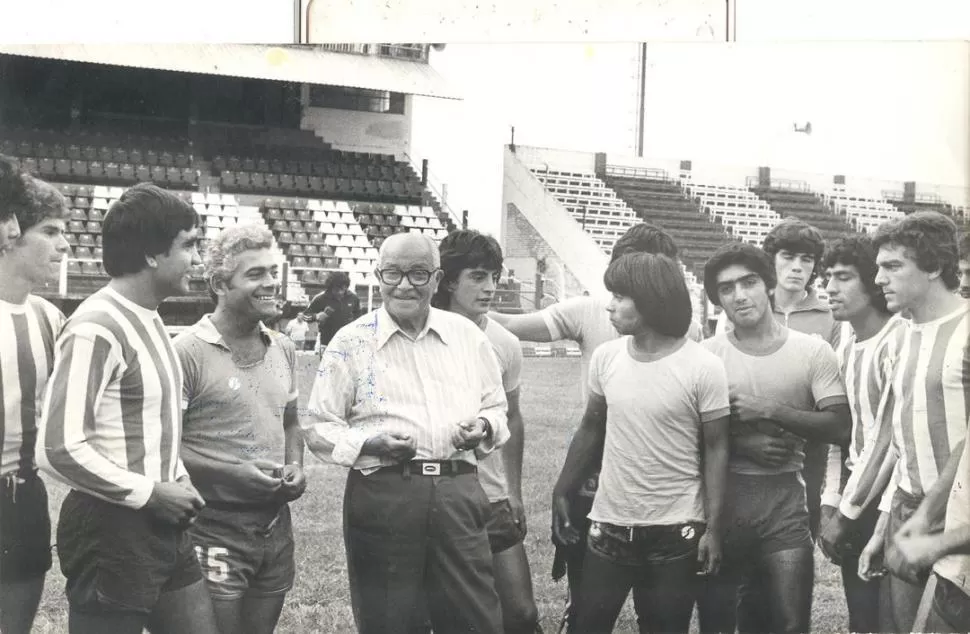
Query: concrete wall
[361, 131]
[535, 224]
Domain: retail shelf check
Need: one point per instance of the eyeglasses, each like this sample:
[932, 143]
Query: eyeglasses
[393, 277]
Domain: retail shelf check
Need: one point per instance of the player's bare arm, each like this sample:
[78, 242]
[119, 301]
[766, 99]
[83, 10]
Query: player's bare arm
[921, 540]
[585, 452]
[831, 424]
[252, 478]
[294, 479]
[715, 460]
[531, 327]
[512, 454]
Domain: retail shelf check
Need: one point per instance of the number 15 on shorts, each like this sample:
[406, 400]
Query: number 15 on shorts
[213, 562]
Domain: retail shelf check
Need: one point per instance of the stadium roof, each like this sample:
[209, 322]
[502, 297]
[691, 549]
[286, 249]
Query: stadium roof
[309, 65]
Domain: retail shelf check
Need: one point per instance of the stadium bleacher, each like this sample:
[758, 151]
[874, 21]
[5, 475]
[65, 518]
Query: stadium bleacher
[591, 203]
[338, 206]
[664, 203]
[862, 211]
[795, 199]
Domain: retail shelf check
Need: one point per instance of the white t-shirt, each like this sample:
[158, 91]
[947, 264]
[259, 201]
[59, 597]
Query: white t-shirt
[651, 472]
[508, 351]
[803, 373]
[585, 320]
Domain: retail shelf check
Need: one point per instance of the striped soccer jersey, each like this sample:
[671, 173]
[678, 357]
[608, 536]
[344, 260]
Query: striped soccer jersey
[867, 370]
[26, 355]
[930, 401]
[112, 415]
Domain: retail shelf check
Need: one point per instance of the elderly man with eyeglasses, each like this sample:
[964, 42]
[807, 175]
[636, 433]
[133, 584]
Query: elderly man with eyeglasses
[408, 397]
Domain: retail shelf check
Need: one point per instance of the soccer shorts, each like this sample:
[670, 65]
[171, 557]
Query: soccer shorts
[245, 550]
[503, 532]
[25, 528]
[120, 559]
[763, 514]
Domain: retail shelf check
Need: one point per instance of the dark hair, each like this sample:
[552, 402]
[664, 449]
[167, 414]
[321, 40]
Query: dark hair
[656, 285]
[336, 279]
[743, 254]
[645, 237]
[964, 246]
[29, 200]
[142, 223]
[465, 249]
[797, 236]
[930, 238]
[858, 251]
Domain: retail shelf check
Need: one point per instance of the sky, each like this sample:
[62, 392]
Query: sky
[890, 111]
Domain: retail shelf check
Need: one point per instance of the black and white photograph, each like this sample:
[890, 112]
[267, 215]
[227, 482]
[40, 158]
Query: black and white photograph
[571, 318]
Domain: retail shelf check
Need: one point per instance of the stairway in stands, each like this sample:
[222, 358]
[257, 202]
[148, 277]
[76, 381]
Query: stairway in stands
[664, 203]
[795, 200]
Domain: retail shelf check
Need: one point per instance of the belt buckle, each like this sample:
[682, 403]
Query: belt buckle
[430, 468]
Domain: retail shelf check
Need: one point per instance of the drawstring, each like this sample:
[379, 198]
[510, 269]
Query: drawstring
[12, 481]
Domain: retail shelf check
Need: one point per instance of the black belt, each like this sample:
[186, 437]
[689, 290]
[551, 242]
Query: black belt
[639, 533]
[435, 467]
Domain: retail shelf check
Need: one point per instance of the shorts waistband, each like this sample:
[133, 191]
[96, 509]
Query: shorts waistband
[904, 497]
[435, 467]
[270, 507]
[640, 533]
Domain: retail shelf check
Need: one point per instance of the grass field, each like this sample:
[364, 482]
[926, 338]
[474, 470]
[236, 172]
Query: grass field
[320, 601]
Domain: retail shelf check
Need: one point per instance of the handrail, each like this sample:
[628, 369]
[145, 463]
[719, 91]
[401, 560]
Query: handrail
[435, 188]
[416, 52]
[652, 173]
[782, 184]
[900, 196]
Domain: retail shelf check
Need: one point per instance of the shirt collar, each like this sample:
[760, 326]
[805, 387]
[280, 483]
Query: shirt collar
[810, 302]
[386, 327]
[205, 330]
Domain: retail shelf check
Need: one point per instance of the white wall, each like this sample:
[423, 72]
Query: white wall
[361, 131]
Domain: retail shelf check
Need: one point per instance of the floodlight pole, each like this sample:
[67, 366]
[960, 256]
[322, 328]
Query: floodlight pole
[641, 98]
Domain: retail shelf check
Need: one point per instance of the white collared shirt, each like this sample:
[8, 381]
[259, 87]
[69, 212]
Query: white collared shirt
[374, 378]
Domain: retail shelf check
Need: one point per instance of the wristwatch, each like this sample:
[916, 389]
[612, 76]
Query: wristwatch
[488, 427]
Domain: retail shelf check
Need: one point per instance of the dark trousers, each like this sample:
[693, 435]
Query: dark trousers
[660, 566]
[410, 537]
[569, 559]
[951, 608]
[898, 598]
[861, 597]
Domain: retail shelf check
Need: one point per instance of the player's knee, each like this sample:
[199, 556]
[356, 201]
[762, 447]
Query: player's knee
[521, 618]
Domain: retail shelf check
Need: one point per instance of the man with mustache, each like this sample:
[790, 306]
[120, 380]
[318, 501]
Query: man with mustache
[867, 355]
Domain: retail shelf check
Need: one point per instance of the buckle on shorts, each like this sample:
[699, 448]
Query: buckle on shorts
[430, 468]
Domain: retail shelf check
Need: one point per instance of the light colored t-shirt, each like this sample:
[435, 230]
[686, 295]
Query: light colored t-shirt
[812, 315]
[234, 412]
[585, 320]
[956, 567]
[803, 373]
[508, 351]
[651, 473]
